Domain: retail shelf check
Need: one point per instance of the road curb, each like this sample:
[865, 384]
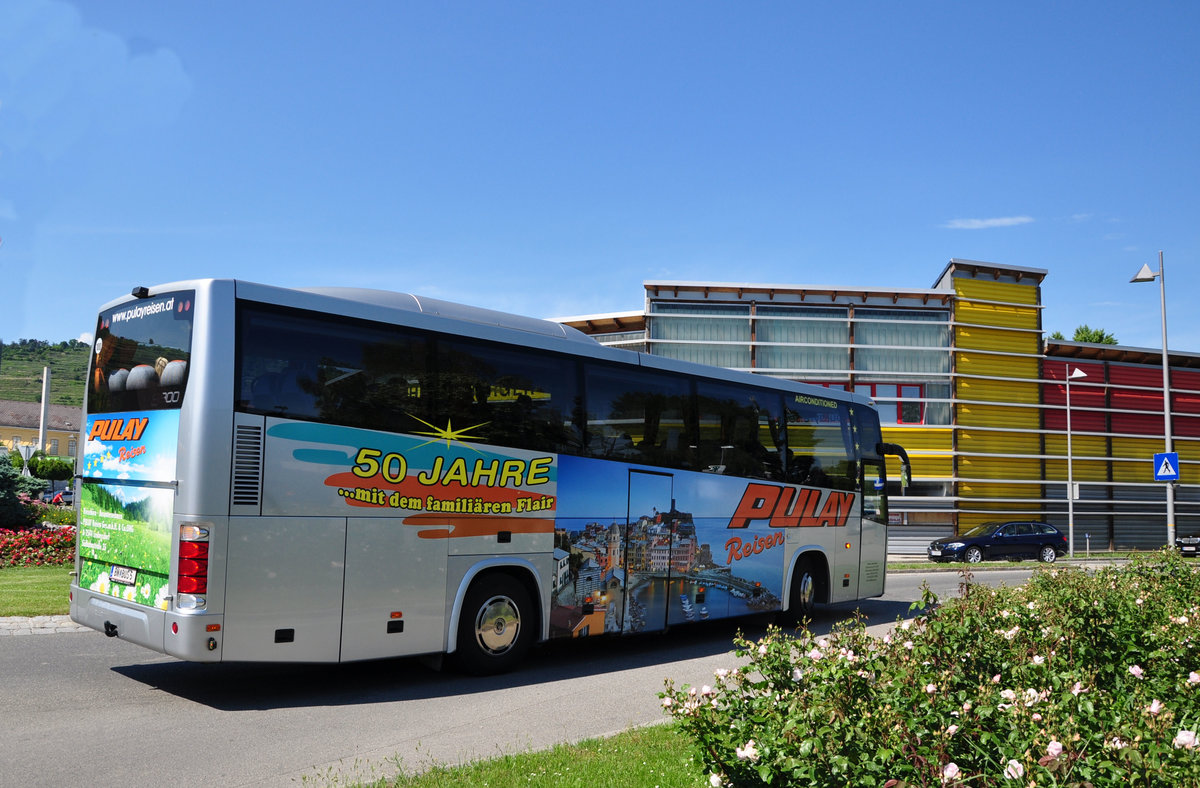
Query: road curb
[953, 566]
[38, 625]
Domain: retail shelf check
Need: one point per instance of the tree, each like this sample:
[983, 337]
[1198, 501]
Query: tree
[52, 468]
[1097, 336]
[1085, 333]
[12, 513]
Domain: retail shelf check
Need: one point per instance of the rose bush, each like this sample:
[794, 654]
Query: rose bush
[37, 546]
[1075, 679]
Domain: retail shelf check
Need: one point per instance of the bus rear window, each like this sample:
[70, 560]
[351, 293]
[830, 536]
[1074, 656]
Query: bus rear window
[141, 354]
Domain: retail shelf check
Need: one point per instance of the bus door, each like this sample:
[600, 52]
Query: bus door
[650, 539]
[872, 543]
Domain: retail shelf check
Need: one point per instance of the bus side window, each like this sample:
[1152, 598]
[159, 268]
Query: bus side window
[820, 446]
[738, 432]
[521, 398]
[638, 417]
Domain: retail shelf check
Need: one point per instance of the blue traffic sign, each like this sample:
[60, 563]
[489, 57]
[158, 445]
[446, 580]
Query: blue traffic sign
[1166, 466]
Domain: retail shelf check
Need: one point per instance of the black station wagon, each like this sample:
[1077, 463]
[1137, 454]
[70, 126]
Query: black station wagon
[1015, 539]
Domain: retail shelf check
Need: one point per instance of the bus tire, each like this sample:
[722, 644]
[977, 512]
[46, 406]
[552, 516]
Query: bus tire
[495, 626]
[802, 598]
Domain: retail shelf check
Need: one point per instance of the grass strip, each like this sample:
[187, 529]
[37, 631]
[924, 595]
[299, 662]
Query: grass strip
[35, 590]
[656, 755]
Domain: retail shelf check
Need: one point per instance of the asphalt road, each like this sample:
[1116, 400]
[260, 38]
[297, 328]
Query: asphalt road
[84, 709]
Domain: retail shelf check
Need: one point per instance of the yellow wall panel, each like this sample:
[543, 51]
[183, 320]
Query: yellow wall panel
[1082, 470]
[998, 391]
[968, 337]
[1081, 445]
[988, 442]
[995, 315]
[923, 468]
[921, 439]
[967, 363]
[986, 490]
[1013, 468]
[1137, 447]
[990, 290]
[998, 416]
[1140, 471]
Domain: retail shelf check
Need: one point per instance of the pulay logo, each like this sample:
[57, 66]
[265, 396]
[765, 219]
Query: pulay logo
[118, 429]
[792, 507]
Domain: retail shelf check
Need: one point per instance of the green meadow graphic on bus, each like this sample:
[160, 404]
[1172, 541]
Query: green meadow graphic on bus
[124, 526]
[125, 541]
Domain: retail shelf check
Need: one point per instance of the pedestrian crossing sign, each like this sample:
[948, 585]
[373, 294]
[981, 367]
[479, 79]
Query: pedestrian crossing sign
[1166, 466]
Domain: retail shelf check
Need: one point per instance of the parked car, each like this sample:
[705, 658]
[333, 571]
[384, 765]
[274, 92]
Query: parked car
[1188, 545]
[1015, 539]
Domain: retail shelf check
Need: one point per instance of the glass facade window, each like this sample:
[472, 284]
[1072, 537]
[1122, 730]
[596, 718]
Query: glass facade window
[810, 338]
[715, 334]
[628, 340]
[893, 331]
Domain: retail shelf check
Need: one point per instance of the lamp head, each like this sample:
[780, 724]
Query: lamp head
[1144, 275]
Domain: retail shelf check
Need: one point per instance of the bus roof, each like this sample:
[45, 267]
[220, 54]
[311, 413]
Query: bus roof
[437, 309]
[450, 309]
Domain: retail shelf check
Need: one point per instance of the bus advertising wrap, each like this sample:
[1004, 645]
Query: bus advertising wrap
[635, 549]
[124, 516]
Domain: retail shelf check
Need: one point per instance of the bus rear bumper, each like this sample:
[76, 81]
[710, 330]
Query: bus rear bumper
[196, 638]
[136, 623]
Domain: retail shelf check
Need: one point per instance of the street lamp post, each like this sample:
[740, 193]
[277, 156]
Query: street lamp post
[1075, 374]
[1146, 275]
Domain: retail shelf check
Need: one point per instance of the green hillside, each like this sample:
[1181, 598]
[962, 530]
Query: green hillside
[21, 364]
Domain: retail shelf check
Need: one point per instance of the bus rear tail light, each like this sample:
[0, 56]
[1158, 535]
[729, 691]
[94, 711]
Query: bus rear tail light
[192, 575]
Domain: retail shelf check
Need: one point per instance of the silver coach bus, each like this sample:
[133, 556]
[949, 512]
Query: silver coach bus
[331, 475]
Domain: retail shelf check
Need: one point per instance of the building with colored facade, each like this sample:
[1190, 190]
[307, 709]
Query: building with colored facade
[20, 425]
[965, 381]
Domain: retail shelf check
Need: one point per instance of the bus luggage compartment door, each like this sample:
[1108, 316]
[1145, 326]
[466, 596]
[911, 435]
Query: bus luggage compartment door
[395, 600]
[283, 589]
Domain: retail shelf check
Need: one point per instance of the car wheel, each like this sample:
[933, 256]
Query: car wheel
[1047, 555]
[973, 555]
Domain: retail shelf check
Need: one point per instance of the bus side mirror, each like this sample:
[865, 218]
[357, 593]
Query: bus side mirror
[896, 450]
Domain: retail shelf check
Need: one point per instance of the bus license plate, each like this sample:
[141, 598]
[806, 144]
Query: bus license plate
[124, 575]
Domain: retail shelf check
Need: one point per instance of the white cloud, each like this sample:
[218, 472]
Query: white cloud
[984, 224]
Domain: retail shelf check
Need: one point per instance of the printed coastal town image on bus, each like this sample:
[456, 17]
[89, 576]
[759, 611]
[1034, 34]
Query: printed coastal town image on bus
[681, 552]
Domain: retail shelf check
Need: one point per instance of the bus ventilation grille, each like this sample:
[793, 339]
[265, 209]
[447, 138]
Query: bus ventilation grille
[247, 464]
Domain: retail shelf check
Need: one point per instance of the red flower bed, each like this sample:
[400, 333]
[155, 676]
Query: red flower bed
[37, 547]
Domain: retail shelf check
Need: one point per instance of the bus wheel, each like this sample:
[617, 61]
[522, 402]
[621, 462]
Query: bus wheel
[495, 626]
[803, 597]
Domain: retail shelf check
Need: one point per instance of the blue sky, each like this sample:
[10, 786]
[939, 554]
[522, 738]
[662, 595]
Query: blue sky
[546, 158]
